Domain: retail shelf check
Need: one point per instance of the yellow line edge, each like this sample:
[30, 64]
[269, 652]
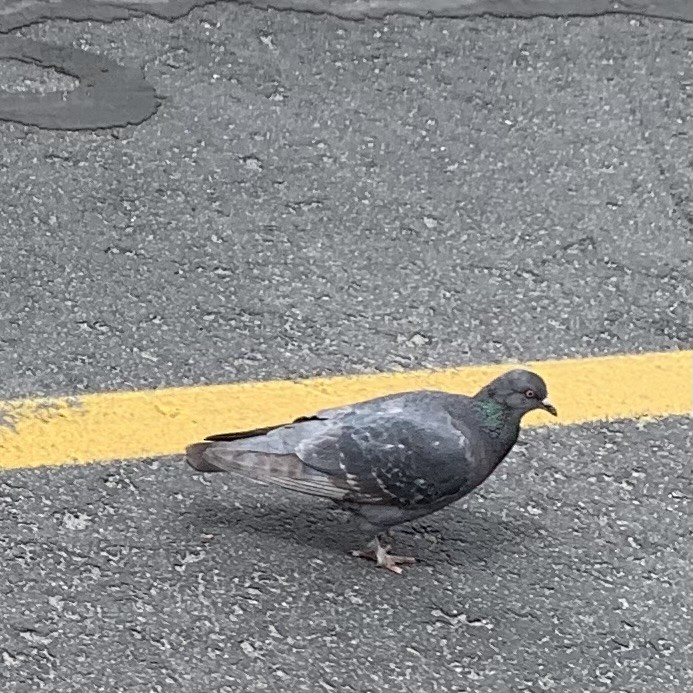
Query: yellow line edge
[110, 426]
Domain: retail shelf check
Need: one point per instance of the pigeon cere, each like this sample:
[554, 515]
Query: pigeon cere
[346, 346]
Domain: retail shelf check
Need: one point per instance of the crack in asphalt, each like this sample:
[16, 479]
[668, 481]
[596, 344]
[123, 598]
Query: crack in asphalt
[22, 13]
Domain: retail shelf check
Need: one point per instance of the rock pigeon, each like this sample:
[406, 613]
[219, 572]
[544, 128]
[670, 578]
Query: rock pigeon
[388, 460]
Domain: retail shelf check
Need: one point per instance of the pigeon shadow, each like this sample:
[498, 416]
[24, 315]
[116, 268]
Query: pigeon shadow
[455, 535]
[320, 526]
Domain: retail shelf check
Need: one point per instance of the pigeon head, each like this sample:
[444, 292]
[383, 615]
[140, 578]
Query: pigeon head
[520, 391]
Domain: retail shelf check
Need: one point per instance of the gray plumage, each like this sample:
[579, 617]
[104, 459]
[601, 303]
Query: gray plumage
[388, 460]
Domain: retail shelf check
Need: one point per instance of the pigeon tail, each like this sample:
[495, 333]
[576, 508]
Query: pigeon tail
[195, 457]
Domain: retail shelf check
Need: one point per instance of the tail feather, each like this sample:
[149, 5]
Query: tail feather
[195, 457]
[257, 432]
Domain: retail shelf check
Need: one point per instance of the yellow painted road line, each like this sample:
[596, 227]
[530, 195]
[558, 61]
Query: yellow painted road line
[147, 423]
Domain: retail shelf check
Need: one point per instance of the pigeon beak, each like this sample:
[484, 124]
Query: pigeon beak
[547, 406]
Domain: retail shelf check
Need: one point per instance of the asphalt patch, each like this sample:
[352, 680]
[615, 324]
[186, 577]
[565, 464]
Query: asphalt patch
[108, 94]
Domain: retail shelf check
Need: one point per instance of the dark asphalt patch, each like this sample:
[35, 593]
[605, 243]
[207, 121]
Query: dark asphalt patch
[19, 13]
[108, 94]
[568, 571]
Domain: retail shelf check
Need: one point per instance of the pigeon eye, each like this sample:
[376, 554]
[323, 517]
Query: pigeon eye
[529, 394]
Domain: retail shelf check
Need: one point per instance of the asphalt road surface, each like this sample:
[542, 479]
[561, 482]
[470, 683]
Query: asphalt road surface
[301, 194]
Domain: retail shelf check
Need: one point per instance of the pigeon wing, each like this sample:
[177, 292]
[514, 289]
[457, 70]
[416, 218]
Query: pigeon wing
[393, 460]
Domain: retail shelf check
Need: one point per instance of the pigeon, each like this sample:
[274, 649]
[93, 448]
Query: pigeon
[388, 460]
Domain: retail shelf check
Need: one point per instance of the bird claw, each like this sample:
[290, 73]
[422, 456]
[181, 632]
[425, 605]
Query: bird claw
[393, 563]
[383, 559]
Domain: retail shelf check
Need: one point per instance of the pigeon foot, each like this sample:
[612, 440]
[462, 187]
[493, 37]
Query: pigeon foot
[375, 551]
